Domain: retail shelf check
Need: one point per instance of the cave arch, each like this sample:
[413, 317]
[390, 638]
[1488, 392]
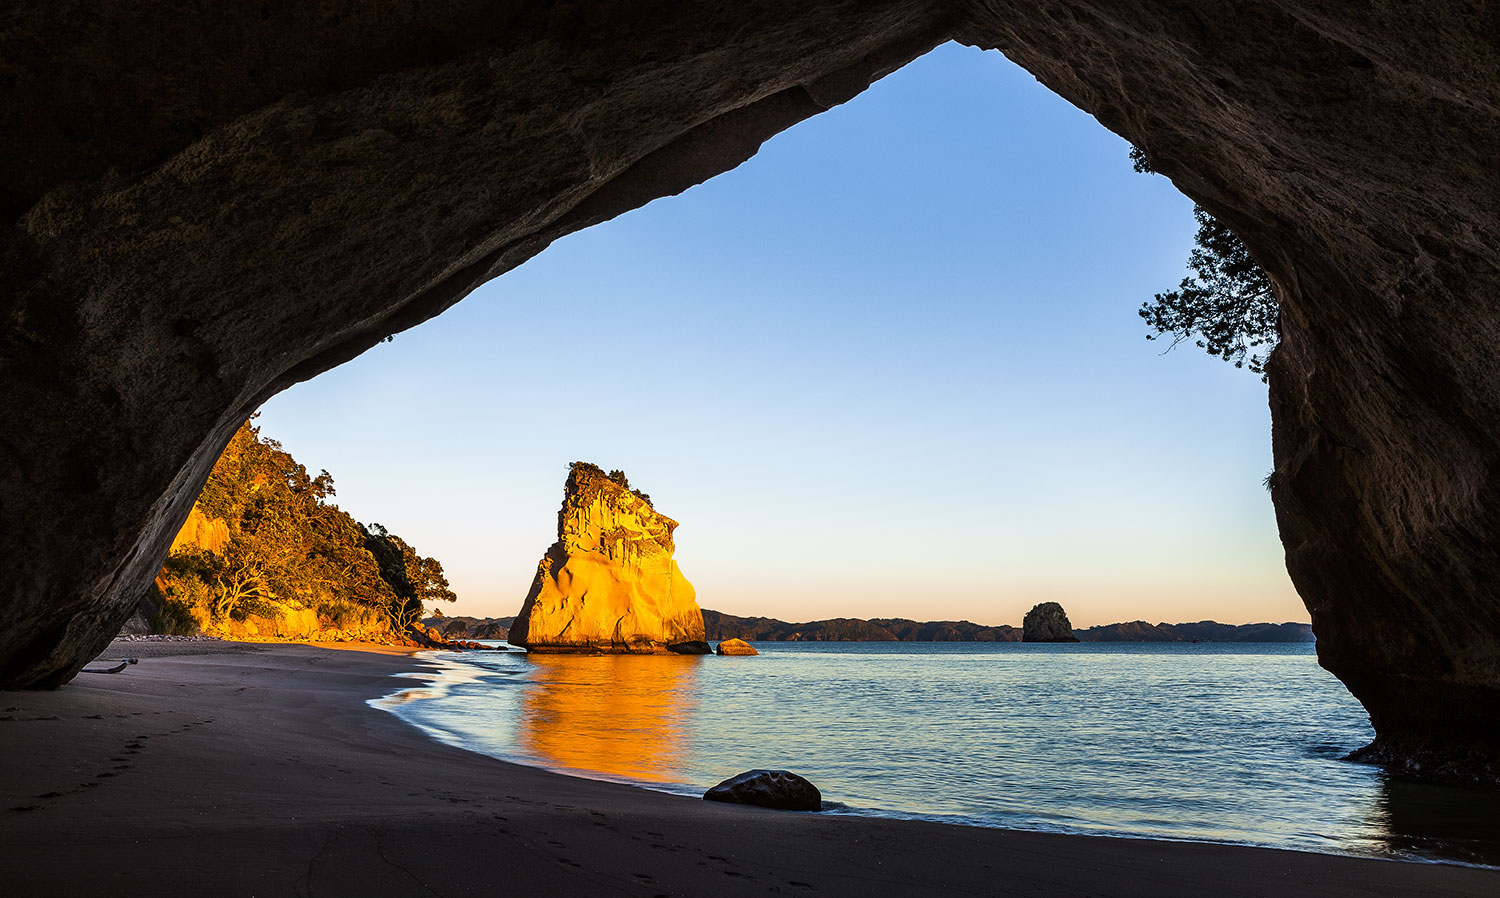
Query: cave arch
[207, 208]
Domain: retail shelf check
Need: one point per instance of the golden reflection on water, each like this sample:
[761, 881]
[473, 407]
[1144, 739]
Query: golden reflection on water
[617, 715]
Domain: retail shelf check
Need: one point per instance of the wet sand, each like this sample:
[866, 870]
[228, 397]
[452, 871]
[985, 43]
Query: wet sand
[246, 769]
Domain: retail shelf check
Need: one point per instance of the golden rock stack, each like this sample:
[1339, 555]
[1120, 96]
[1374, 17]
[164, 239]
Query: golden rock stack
[609, 584]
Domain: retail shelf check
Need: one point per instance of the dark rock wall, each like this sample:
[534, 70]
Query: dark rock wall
[285, 188]
[1356, 153]
[205, 203]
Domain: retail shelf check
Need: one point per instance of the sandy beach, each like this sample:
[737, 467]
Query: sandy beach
[232, 769]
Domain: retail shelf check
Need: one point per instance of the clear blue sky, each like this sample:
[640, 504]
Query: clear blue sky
[891, 366]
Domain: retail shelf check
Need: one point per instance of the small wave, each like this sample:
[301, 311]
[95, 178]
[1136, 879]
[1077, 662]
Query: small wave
[1337, 751]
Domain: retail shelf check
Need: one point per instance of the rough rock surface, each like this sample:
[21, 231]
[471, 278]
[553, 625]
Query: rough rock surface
[777, 789]
[609, 584]
[1047, 622]
[200, 209]
[198, 532]
[735, 647]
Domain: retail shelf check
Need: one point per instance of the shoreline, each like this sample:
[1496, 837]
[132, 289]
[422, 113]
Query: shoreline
[260, 769]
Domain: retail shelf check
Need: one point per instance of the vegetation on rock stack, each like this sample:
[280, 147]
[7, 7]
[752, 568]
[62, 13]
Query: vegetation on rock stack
[584, 470]
[293, 564]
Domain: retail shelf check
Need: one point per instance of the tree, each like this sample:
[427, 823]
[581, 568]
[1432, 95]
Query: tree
[239, 579]
[1226, 307]
[424, 575]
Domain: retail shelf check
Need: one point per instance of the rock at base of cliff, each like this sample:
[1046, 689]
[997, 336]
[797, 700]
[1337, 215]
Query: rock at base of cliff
[1447, 758]
[696, 647]
[1047, 622]
[778, 789]
[736, 647]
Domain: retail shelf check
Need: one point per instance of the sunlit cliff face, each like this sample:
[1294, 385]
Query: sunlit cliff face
[614, 715]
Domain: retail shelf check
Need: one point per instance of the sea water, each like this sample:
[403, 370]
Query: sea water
[1238, 743]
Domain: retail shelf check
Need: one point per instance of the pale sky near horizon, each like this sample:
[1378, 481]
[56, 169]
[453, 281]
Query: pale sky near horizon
[891, 366]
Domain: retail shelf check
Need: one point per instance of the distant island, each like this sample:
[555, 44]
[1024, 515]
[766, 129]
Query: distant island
[465, 627]
[722, 626]
[896, 629]
[1202, 631]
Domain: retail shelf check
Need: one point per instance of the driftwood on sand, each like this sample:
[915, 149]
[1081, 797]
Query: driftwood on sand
[119, 666]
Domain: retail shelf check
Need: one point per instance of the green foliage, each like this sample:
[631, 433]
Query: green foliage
[184, 582]
[413, 579]
[174, 618]
[1226, 307]
[288, 543]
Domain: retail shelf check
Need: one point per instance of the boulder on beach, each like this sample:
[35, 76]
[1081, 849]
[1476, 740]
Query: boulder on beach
[736, 647]
[1047, 622]
[778, 789]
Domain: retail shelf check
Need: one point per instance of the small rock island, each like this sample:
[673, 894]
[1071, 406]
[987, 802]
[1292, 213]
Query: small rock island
[736, 647]
[1047, 622]
[609, 584]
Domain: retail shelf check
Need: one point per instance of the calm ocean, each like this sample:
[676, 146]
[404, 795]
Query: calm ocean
[1236, 743]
